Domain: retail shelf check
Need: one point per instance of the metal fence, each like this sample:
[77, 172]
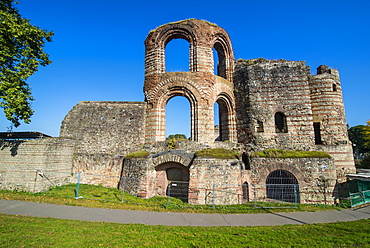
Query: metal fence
[194, 193]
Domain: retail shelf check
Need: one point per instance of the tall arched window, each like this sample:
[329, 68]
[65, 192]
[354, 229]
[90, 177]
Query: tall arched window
[219, 60]
[177, 55]
[222, 105]
[178, 116]
[280, 123]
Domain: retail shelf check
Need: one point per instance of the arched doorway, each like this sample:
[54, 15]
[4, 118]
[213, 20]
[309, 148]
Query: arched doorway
[282, 185]
[172, 179]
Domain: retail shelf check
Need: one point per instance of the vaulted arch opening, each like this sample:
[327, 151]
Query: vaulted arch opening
[222, 121]
[178, 116]
[177, 55]
[219, 59]
[282, 185]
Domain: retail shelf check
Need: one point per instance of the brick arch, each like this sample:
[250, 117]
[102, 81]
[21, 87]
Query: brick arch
[201, 35]
[159, 97]
[175, 82]
[226, 117]
[281, 166]
[200, 86]
[171, 158]
[222, 45]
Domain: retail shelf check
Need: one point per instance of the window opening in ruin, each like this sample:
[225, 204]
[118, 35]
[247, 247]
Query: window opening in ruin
[280, 123]
[177, 55]
[220, 64]
[335, 87]
[282, 185]
[223, 120]
[245, 159]
[215, 61]
[178, 116]
[259, 127]
[216, 121]
[317, 131]
[245, 191]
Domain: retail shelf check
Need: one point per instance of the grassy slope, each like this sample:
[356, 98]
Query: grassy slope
[112, 198]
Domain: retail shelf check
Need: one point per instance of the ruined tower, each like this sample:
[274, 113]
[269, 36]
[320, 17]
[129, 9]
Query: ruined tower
[200, 86]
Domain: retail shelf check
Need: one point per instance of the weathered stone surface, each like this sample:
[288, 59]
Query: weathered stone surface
[35, 165]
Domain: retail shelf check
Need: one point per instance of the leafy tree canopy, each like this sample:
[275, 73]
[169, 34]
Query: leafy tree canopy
[177, 136]
[367, 135]
[358, 138]
[21, 54]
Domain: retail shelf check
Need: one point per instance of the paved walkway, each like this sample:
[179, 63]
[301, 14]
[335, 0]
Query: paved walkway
[178, 219]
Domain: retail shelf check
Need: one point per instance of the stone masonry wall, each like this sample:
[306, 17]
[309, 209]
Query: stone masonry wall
[105, 132]
[263, 88]
[35, 165]
[222, 175]
[311, 173]
[105, 127]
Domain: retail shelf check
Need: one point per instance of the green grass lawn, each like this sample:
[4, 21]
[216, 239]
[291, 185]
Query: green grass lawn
[101, 197]
[24, 231]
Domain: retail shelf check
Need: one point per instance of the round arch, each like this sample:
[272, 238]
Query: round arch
[222, 45]
[188, 94]
[226, 116]
[282, 185]
[202, 37]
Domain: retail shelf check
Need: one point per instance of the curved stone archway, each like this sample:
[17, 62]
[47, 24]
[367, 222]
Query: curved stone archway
[200, 86]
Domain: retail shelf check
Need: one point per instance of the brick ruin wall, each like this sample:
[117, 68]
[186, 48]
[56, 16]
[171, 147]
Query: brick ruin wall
[264, 87]
[35, 165]
[316, 177]
[141, 178]
[105, 132]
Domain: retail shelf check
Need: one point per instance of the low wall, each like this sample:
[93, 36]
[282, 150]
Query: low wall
[35, 165]
[316, 176]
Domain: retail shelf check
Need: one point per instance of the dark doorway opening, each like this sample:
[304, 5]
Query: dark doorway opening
[283, 186]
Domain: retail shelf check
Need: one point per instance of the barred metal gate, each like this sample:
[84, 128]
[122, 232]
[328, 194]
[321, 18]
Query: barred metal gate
[282, 185]
[178, 189]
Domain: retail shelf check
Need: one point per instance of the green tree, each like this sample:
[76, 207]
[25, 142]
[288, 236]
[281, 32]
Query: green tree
[21, 53]
[367, 135]
[177, 136]
[358, 138]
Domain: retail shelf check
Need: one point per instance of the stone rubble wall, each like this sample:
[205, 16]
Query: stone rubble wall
[36, 165]
[223, 179]
[105, 127]
[215, 178]
[309, 172]
[264, 87]
[105, 132]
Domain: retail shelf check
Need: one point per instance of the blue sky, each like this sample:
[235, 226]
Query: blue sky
[98, 48]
